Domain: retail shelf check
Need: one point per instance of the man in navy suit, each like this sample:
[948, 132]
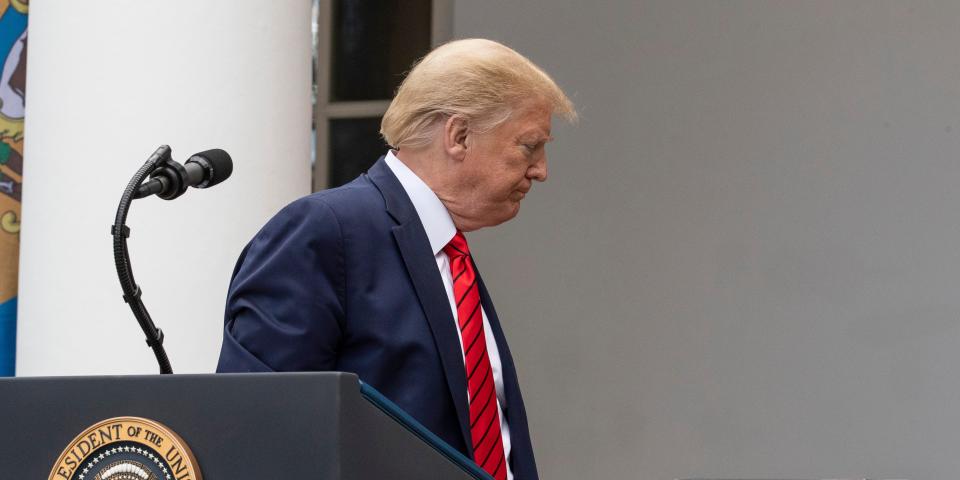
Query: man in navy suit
[375, 277]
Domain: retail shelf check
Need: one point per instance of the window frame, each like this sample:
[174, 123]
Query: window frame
[441, 20]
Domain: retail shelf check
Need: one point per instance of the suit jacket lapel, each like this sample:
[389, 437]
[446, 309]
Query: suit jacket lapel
[506, 360]
[414, 247]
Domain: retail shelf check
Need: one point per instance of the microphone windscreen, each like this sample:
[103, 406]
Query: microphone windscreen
[220, 164]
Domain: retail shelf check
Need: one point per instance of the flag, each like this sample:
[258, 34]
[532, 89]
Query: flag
[13, 52]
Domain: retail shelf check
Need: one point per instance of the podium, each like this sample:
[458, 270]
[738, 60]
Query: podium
[239, 426]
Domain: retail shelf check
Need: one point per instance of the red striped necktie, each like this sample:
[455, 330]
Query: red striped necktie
[484, 419]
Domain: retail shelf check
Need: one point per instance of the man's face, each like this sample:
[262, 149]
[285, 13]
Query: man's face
[500, 166]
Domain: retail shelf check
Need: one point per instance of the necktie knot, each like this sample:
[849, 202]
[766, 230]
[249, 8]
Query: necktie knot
[457, 246]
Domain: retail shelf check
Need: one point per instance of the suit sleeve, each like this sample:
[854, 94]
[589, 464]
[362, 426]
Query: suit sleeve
[285, 304]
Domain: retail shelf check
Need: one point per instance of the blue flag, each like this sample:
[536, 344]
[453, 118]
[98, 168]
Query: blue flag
[13, 52]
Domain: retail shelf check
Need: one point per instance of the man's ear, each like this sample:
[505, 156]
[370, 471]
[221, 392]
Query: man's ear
[455, 131]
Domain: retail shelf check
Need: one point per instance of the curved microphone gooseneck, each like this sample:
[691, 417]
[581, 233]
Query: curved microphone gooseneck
[169, 181]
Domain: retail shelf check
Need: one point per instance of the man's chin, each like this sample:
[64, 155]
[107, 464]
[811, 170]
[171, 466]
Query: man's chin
[512, 213]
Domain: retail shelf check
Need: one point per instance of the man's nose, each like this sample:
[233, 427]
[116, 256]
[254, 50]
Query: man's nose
[538, 171]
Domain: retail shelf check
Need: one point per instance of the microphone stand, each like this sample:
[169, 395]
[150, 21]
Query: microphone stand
[121, 256]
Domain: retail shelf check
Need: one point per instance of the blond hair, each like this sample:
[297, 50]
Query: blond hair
[480, 80]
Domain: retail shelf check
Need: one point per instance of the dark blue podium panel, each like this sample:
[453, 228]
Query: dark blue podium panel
[239, 426]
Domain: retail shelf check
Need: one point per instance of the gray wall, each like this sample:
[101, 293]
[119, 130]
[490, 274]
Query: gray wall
[747, 257]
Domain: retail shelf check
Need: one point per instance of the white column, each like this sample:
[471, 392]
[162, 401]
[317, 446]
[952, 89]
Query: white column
[108, 82]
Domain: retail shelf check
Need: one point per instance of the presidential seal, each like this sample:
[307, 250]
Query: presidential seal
[126, 448]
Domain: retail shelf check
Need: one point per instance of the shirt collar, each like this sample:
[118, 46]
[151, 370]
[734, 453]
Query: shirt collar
[433, 215]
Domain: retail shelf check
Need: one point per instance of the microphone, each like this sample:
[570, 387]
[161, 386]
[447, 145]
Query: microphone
[202, 170]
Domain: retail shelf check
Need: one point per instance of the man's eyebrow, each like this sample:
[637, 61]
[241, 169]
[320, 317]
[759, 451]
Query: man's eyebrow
[541, 136]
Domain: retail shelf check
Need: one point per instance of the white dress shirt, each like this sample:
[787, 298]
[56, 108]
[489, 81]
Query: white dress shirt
[440, 230]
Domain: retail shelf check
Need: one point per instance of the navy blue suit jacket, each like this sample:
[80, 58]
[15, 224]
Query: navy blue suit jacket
[345, 280]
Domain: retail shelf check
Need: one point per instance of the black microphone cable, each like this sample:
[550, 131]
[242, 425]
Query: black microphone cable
[121, 257]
